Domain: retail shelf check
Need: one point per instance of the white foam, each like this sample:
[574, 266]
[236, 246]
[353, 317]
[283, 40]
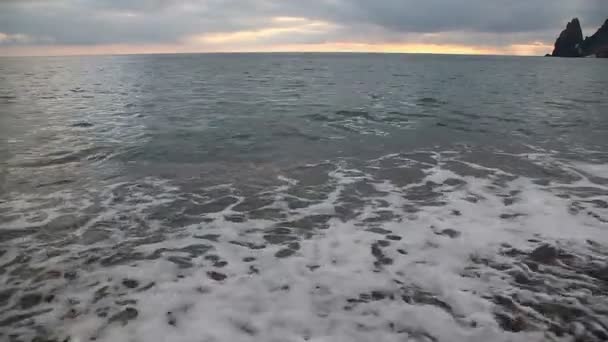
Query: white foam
[597, 170]
[303, 297]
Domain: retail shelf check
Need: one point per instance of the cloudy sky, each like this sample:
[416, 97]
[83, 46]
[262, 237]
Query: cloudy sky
[55, 27]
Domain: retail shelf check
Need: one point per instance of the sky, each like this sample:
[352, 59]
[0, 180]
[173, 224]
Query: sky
[74, 27]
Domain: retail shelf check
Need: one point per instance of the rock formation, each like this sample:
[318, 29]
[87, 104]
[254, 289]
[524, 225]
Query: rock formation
[597, 44]
[569, 41]
[571, 44]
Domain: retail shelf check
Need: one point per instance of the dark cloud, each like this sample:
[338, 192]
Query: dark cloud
[166, 21]
[473, 15]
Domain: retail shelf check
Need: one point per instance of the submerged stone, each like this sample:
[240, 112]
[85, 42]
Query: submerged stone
[130, 283]
[125, 316]
[217, 276]
[451, 233]
[284, 253]
[30, 300]
[545, 254]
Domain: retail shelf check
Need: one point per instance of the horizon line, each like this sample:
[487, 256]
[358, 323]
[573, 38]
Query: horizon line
[264, 53]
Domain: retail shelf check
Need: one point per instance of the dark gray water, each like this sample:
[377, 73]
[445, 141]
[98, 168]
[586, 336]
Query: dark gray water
[303, 197]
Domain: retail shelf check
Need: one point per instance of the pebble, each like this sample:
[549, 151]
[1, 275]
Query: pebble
[284, 253]
[130, 283]
[171, 319]
[125, 316]
[217, 276]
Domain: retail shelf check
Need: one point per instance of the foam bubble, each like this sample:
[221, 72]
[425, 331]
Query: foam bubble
[447, 257]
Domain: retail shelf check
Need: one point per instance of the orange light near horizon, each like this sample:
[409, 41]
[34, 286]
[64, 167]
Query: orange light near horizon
[531, 49]
[387, 48]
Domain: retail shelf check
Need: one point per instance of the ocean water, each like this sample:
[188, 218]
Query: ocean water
[303, 197]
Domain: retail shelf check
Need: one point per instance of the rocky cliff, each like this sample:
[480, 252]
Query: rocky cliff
[571, 43]
[597, 44]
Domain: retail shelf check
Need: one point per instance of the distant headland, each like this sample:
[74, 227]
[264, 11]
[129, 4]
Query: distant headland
[570, 42]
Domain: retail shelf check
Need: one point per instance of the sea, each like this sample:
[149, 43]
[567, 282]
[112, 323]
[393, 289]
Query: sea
[303, 197]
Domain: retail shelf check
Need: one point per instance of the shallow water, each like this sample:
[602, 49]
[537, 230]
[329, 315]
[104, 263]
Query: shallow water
[303, 197]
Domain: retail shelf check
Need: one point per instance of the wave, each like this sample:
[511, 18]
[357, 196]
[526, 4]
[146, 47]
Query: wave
[424, 246]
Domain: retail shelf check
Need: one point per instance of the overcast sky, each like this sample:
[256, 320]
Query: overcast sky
[131, 26]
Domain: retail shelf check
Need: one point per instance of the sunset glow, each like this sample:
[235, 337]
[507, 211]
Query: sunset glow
[124, 49]
[83, 27]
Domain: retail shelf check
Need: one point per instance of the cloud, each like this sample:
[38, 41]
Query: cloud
[234, 24]
[13, 38]
[290, 28]
[21, 39]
